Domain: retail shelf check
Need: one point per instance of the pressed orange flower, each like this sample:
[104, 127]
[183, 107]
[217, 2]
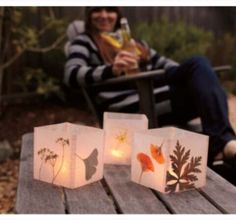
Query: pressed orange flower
[157, 153]
[146, 164]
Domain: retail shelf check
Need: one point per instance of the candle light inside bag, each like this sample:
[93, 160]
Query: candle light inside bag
[65, 170]
[119, 129]
[117, 153]
[71, 156]
[169, 159]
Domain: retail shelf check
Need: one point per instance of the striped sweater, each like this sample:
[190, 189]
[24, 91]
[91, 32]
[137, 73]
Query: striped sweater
[85, 65]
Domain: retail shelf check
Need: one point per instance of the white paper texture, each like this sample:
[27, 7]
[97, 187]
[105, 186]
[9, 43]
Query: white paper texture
[119, 129]
[189, 149]
[68, 155]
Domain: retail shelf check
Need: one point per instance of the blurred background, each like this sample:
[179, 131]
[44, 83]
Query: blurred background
[32, 61]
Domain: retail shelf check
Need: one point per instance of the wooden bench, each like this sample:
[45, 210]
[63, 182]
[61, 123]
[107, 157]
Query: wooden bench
[115, 193]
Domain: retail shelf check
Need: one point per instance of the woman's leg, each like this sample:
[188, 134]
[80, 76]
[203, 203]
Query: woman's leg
[205, 96]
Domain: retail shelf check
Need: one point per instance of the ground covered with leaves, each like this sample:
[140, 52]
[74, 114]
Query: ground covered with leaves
[20, 119]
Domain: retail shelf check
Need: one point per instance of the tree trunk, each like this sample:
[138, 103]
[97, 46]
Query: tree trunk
[1, 90]
[1, 56]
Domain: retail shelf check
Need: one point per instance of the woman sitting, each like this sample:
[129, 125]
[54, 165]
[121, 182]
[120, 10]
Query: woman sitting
[195, 88]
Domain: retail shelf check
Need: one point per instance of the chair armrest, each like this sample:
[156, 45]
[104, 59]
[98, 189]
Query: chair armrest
[128, 78]
[222, 68]
[143, 75]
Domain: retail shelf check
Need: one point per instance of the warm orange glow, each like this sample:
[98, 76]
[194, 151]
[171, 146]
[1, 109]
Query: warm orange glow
[146, 162]
[117, 153]
[157, 153]
[65, 169]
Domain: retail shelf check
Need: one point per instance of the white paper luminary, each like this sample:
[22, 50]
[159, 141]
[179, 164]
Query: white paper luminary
[68, 155]
[169, 159]
[119, 129]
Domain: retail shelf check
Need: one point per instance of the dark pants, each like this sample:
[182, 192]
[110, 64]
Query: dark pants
[196, 91]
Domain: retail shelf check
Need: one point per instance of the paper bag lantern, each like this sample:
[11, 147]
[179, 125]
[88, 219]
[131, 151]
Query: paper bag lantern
[169, 159]
[68, 155]
[119, 129]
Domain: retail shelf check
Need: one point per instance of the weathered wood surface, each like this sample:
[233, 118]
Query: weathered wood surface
[131, 197]
[220, 192]
[90, 199]
[117, 194]
[189, 202]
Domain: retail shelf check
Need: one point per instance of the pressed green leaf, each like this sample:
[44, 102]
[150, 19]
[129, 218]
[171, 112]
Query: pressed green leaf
[91, 163]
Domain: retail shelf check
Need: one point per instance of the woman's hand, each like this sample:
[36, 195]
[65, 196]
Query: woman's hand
[123, 61]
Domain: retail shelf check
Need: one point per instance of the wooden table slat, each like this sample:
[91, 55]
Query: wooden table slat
[34, 196]
[221, 192]
[131, 197]
[188, 202]
[89, 199]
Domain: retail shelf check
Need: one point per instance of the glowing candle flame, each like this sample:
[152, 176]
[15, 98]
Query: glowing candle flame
[65, 169]
[117, 153]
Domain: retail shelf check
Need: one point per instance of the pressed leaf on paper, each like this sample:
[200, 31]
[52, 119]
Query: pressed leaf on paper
[146, 164]
[90, 163]
[63, 142]
[192, 168]
[183, 174]
[47, 156]
[157, 154]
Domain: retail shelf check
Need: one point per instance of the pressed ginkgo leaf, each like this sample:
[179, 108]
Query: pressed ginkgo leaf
[90, 164]
[146, 164]
[157, 153]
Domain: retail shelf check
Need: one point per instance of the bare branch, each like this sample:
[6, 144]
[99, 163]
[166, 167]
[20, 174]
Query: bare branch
[51, 13]
[49, 24]
[37, 50]
[12, 60]
[51, 47]
[43, 30]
